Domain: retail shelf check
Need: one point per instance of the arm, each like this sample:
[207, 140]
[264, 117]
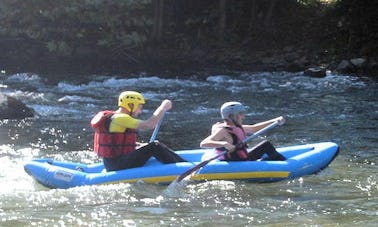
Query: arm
[256, 127]
[218, 139]
[151, 122]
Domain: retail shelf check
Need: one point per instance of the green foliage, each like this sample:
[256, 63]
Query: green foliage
[350, 28]
[63, 26]
[115, 28]
[60, 47]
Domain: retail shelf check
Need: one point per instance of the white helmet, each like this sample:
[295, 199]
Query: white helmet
[233, 108]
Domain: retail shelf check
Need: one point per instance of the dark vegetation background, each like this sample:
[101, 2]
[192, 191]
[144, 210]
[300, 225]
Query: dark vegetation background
[182, 37]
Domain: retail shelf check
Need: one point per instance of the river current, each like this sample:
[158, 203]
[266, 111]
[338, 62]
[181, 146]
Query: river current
[338, 108]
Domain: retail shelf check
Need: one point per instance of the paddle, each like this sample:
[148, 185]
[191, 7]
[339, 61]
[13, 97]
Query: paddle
[156, 130]
[202, 164]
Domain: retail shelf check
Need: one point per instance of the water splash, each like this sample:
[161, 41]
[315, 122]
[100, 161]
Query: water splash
[176, 189]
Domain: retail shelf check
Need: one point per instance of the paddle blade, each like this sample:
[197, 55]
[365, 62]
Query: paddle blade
[176, 189]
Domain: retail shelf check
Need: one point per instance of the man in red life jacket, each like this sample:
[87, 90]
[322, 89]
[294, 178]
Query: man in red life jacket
[230, 133]
[115, 138]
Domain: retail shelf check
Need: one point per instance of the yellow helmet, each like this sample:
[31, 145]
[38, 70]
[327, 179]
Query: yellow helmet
[130, 97]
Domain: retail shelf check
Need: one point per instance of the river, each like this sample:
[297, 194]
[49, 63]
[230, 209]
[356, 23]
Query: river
[338, 108]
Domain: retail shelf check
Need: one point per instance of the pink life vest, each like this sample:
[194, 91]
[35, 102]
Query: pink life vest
[238, 135]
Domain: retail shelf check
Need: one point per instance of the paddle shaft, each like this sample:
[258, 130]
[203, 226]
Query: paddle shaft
[202, 164]
[156, 130]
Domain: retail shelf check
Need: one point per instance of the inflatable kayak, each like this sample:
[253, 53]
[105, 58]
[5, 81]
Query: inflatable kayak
[300, 160]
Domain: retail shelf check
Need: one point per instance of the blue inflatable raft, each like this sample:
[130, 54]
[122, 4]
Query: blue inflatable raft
[301, 160]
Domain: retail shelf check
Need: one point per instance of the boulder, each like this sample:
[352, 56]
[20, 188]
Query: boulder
[344, 67]
[358, 62]
[11, 108]
[317, 72]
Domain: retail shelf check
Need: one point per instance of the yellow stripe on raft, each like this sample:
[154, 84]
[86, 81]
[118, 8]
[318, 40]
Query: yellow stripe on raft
[213, 176]
[241, 175]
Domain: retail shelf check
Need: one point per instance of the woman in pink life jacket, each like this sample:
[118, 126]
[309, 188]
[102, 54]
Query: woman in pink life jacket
[115, 139]
[230, 133]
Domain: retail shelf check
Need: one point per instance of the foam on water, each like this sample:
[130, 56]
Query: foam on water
[12, 176]
[176, 189]
[29, 78]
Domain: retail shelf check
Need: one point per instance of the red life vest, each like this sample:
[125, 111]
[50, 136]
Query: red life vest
[111, 145]
[238, 135]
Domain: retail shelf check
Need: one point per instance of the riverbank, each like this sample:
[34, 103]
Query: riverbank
[197, 62]
[182, 38]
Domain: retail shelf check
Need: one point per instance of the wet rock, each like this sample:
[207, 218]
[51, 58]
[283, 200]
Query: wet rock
[11, 108]
[298, 64]
[359, 62]
[317, 72]
[344, 67]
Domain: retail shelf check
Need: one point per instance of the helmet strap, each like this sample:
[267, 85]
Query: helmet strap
[131, 107]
